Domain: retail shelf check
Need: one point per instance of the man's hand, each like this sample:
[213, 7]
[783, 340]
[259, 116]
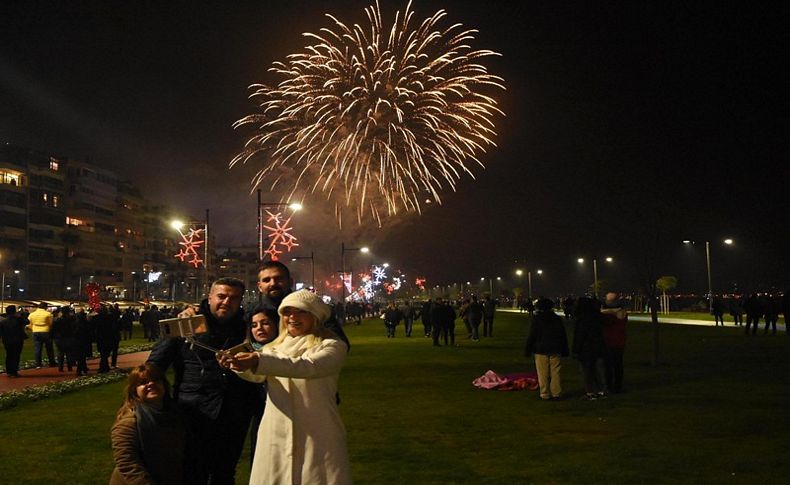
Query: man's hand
[189, 311]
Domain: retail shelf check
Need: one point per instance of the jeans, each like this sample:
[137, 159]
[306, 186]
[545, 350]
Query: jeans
[39, 339]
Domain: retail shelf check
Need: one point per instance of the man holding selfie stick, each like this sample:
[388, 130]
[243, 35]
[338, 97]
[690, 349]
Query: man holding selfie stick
[216, 404]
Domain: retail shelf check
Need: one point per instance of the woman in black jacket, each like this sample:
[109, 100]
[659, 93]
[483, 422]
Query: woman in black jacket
[548, 341]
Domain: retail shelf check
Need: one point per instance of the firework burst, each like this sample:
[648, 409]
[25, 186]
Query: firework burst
[379, 121]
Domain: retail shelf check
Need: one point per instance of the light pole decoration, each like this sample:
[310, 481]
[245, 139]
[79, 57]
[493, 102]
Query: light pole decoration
[279, 232]
[191, 242]
[343, 278]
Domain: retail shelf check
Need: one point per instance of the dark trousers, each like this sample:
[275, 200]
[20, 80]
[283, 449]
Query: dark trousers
[64, 355]
[448, 334]
[12, 353]
[475, 324]
[216, 444]
[390, 328]
[108, 355]
[408, 323]
[488, 326]
[42, 339]
[719, 318]
[770, 321]
[752, 320]
[427, 326]
[614, 369]
[593, 375]
[738, 319]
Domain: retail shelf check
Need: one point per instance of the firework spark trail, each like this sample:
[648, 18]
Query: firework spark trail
[376, 121]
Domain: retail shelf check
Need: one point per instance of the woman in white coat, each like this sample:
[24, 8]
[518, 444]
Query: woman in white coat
[301, 439]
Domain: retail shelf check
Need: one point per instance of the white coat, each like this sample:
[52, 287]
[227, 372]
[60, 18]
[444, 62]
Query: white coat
[301, 439]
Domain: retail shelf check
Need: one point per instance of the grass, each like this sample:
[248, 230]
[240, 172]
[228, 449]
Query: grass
[712, 411]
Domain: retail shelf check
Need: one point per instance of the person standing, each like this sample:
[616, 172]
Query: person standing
[275, 283]
[474, 313]
[489, 310]
[407, 310]
[753, 310]
[549, 342]
[771, 312]
[614, 335]
[127, 323]
[12, 330]
[717, 309]
[264, 327]
[63, 334]
[107, 338]
[216, 403]
[589, 347]
[302, 438]
[392, 317]
[425, 315]
[41, 324]
[736, 310]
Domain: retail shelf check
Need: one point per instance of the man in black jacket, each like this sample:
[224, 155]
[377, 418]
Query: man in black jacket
[275, 283]
[12, 330]
[217, 405]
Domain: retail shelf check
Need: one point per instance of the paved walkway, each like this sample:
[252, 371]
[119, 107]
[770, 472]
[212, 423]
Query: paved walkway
[46, 375]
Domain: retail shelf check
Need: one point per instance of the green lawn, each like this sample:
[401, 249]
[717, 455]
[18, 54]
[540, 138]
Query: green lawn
[713, 411]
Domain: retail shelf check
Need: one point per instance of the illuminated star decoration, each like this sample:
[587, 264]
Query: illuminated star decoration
[279, 235]
[420, 282]
[190, 243]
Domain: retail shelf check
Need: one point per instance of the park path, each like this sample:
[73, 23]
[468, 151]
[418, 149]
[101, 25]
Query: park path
[47, 375]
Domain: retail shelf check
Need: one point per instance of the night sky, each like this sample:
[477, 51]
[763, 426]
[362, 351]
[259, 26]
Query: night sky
[629, 127]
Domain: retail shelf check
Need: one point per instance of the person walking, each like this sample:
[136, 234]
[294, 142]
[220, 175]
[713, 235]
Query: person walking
[753, 310]
[12, 331]
[425, 316]
[549, 342]
[392, 316]
[474, 313]
[717, 309]
[489, 310]
[407, 310]
[41, 324]
[736, 310]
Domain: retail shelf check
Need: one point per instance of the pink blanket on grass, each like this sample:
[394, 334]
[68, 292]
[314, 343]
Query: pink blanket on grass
[509, 382]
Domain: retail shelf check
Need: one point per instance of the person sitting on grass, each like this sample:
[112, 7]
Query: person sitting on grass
[148, 436]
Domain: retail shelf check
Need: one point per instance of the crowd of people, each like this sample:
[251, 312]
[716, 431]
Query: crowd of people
[67, 337]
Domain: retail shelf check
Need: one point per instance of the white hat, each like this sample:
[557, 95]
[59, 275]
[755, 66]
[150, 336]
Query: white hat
[307, 301]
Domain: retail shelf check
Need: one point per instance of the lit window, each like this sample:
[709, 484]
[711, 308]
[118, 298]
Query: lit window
[53, 164]
[55, 200]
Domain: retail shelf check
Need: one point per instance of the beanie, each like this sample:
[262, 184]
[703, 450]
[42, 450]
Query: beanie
[307, 301]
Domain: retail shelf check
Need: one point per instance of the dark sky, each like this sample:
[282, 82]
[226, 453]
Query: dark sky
[630, 126]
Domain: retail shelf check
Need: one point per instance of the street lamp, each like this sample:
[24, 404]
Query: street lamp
[520, 272]
[294, 206]
[178, 225]
[343, 249]
[728, 241]
[312, 264]
[595, 272]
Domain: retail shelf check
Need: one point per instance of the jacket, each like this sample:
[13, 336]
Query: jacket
[200, 384]
[547, 335]
[146, 455]
[12, 330]
[301, 431]
[40, 320]
[588, 337]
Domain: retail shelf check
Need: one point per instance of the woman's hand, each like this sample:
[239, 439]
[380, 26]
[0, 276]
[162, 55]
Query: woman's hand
[238, 362]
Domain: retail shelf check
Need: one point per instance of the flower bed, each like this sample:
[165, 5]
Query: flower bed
[35, 393]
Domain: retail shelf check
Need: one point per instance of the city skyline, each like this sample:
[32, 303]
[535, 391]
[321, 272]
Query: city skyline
[627, 130]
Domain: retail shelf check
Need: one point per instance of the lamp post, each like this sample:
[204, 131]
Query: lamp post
[312, 264]
[261, 207]
[343, 249]
[178, 225]
[520, 272]
[595, 273]
[728, 241]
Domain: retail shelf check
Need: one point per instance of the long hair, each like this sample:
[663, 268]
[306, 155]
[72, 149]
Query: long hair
[140, 375]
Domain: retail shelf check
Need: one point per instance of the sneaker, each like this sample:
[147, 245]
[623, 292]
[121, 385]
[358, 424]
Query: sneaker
[602, 395]
[590, 397]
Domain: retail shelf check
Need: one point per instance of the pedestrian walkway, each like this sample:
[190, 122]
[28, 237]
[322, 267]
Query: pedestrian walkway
[47, 375]
[780, 327]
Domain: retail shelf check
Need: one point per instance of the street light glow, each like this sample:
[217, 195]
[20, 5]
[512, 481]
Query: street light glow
[364, 249]
[728, 241]
[519, 272]
[580, 260]
[540, 271]
[177, 225]
[609, 260]
[296, 206]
